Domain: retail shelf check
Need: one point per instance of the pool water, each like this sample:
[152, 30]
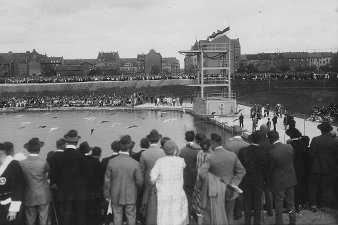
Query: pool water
[98, 127]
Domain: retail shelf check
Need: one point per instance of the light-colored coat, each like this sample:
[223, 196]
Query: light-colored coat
[37, 190]
[122, 179]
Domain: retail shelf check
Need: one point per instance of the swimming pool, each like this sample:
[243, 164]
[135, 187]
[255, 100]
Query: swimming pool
[98, 127]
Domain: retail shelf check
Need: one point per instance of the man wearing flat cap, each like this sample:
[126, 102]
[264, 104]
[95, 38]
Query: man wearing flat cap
[123, 179]
[147, 161]
[324, 167]
[37, 191]
[73, 175]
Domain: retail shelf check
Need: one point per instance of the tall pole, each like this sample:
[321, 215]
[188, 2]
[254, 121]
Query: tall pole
[202, 75]
[229, 75]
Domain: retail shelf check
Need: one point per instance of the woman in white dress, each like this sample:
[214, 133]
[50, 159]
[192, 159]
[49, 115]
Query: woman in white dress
[167, 173]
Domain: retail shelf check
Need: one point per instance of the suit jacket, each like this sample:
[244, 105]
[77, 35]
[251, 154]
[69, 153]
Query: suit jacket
[122, 180]
[235, 145]
[104, 164]
[189, 154]
[147, 161]
[300, 157]
[255, 161]
[226, 165]
[53, 175]
[96, 184]
[282, 171]
[323, 154]
[74, 175]
[37, 191]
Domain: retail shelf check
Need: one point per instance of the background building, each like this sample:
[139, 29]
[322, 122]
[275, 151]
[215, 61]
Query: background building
[153, 62]
[170, 65]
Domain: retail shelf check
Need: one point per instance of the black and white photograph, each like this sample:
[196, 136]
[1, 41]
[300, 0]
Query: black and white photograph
[169, 112]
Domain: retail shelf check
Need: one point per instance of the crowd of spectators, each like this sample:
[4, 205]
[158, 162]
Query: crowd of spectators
[88, 100]
[236, 76]
[78, 78]
[324, 113]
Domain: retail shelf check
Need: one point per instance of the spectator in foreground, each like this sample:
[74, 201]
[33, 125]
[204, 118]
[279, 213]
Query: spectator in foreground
[122, 180]
[255, 161]
[235, 144]
[11, 188]
[201, 157]
[147, 161]
[225, 165]
[324, 167]
[37, 190]
[167, 174]
[189, 154]
[283, 177]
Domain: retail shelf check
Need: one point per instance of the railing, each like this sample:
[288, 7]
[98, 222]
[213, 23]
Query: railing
[214, 46]
[215, 63]
[213, 80]
[216, 95]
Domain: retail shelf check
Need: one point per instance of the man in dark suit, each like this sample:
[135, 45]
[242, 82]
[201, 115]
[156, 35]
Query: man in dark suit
[283, 177]
[225, 165]
[144, 144]
[104, 162]
[324, 166]
[255, 161]
[123, 178]
[52, 157]
[235, 144]
[73, 175]
[37, 190]
[300, 154]
[189, 154]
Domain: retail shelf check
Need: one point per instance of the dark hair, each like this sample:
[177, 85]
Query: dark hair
[205, 144]
[190, 136]
[216, 138]
[115, 146]
[163, 141]
[199, 137]
[61, 143]
[144, 143]
[96, 151]
[273, 136]
[305, 139]
[9, 147]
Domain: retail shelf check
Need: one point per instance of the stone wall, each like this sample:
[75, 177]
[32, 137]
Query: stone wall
[91, 86]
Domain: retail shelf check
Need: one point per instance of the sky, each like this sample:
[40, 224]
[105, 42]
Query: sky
[81, 28]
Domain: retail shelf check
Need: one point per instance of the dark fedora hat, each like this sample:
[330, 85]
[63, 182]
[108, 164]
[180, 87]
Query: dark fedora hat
[154, 135]
[33, 143]
[325, 127]
[84, 147]
[71, 136]
[126, 143]
[257, 137]
[293, 133]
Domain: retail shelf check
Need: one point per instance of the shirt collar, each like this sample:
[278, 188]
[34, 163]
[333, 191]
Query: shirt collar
[239, 137]
[71, 146]
[276, 142]
[219, 147]
[33, 154]
[154, 144]
[295, 139]
[115, 153]
[190, 143]
[59, 150]
[254, 144]
[124, 153]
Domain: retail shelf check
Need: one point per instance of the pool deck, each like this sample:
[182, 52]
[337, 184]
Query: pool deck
[308, 128]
